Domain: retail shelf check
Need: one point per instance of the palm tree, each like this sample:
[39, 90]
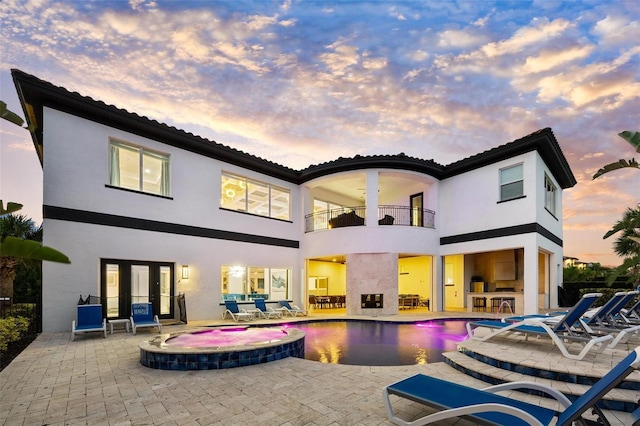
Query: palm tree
[19, 242]
[20, 227]
[628, 244]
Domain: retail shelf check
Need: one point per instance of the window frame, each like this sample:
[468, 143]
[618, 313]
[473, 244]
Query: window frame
[502, 184]
[550, 189]
[262, 283]
[165, 175]
[245, 183]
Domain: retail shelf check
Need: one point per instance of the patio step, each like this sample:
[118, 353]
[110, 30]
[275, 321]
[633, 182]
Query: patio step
[617, 400]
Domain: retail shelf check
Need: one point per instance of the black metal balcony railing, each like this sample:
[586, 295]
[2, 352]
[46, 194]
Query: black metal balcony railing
[356, 216]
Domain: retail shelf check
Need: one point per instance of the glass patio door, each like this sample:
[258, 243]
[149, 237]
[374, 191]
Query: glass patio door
[416, 202]
[125, 282]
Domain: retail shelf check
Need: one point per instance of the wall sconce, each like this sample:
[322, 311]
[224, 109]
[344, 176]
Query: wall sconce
[185, 272]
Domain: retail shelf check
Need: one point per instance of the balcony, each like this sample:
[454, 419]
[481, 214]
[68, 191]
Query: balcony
[356, 216]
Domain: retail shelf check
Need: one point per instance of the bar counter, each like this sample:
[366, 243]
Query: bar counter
[494, 299]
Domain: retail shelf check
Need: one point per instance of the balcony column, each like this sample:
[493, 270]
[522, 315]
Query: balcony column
[371, 198]
[307, 206]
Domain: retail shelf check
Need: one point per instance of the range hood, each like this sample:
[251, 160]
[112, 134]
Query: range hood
[504, 266]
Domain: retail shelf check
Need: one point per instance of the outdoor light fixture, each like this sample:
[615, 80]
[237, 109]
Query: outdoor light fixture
[185, 272]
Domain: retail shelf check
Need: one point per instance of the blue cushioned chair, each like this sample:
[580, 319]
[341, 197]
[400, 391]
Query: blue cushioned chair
[142, 316]
[89, 319]
[235, 312]
[568, 327]
[484, 406]
[292, 310]
[262, 311]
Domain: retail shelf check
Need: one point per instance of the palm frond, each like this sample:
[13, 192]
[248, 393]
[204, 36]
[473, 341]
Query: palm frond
[11, 208]
[28, 249]
[620, 164]
[632, 137]
[10, 115]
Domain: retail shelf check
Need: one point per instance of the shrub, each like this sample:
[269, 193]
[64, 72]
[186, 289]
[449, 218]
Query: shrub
[11, 330]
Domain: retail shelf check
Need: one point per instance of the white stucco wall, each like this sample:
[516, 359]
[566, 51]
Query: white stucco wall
[75, 174]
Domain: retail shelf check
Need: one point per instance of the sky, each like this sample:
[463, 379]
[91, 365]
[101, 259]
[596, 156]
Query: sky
[305, 82]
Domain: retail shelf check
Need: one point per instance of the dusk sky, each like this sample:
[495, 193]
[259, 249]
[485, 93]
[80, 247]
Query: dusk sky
[304, 82]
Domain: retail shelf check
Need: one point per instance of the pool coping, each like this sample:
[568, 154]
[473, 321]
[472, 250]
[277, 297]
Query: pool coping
[157, 355]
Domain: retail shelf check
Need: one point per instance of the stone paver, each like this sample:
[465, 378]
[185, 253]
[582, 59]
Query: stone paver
[96, 381]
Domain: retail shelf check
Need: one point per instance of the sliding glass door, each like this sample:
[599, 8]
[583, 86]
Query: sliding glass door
[125, 282]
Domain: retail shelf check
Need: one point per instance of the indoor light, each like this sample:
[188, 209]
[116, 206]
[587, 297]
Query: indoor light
[185, 272]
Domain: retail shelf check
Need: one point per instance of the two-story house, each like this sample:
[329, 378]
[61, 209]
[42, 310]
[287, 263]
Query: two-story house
[146, 211]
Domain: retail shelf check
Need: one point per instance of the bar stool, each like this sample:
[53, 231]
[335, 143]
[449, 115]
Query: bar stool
[479, 303]
[496, 302]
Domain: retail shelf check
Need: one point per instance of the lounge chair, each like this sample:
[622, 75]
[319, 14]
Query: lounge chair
[611, 320]
[484, 406]
[635, 416]
[606, 315]
[292, 310]
[583, 305]
[632, 315]
[89, 319]
[261, 310]
[235, 312]
[568, 327]
[598, 321]
[142, 316]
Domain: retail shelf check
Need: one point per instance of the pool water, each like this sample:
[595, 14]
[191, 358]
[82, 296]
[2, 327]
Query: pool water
[232, 336]
[381, 343]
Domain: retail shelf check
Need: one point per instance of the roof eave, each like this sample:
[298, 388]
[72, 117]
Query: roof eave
[542, 141]
[36, 94]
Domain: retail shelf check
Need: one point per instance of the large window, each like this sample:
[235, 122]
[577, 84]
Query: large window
[139, 169]
[248, 283]
[321, 206]
[511, 183]
[255, 197]
[549, 195]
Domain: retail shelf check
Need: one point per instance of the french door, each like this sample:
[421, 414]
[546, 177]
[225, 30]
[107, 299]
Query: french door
[124, 282]
[416, 201]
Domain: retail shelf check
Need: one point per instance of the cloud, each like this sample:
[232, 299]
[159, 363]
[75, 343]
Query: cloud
[459, 39]
[543, 30]
[550, 59]
[302, 85]
[582, 85]
[616, 30]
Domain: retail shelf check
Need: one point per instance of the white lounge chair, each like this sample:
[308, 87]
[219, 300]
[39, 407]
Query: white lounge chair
[263, 311]
[484, 406]
[235, 312]
[292, 310]
[569, 327]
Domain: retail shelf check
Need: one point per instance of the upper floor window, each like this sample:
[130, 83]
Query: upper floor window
[255, 197]
[139, 169]
[511, 183]
[549, 195]
[321, 206]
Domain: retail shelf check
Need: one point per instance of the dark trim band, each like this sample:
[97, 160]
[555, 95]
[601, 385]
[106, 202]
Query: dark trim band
[103, 219]
[502, 232]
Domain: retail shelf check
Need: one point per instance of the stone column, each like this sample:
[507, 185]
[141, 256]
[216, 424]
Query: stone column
[372, 273]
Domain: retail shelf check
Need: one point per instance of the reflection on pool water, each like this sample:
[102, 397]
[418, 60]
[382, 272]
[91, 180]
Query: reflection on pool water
[381, 343]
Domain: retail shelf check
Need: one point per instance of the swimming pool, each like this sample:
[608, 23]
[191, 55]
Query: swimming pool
[381, 343]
